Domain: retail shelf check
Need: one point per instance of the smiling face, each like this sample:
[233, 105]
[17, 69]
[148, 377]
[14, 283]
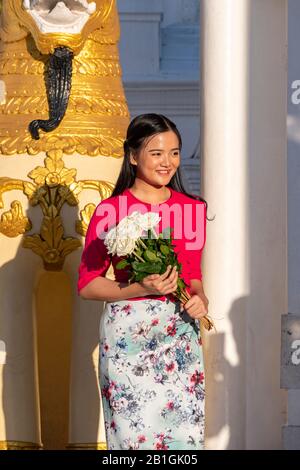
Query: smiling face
[158, 159]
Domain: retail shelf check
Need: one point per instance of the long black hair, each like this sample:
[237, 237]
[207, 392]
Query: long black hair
[141, 127]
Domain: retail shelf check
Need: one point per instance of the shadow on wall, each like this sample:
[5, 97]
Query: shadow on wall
[227, 414]
[49, 345]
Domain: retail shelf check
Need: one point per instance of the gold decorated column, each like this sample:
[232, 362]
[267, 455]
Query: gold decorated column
[63, 119]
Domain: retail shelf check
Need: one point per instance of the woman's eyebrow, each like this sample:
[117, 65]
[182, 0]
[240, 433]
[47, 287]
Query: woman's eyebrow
[159, 150]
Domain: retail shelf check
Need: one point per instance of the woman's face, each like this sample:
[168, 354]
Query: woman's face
[158, 159]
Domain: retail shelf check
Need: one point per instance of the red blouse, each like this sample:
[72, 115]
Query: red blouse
[186, 215]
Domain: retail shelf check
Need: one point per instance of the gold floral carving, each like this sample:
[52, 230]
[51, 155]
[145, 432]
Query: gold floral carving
[51, 187]
[13, 222]
[85, 216]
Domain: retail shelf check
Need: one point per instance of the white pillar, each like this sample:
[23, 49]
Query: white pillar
[290, 374]
[243, 172]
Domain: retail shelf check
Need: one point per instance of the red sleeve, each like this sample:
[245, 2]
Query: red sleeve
[95, 260]
[193, 261]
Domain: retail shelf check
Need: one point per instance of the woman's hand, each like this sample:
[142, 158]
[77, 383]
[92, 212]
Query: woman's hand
[196, 306]
[161, 284]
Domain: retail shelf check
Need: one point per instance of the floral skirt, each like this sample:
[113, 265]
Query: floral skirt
[151, 376]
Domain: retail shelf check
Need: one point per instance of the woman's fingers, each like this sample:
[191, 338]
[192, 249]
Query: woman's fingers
[196, 312]
[168, 277]
[164, 283]
[171, 281]
[195, 307]
[173, 275]
[193, 310]
[190, 302]
[151, 277]
[166, 273]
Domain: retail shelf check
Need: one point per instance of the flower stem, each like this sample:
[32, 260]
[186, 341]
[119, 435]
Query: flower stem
[154, 233]
[185, 297]
[139, 240]
[138, 256]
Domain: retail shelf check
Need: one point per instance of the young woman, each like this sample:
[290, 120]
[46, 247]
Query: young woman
[151, 368]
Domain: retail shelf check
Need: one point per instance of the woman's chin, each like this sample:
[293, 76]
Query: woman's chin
[164, 179]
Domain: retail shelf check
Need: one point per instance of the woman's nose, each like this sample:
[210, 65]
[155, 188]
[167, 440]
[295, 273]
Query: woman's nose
[166, 159]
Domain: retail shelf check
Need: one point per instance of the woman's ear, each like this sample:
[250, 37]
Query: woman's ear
[132, 159]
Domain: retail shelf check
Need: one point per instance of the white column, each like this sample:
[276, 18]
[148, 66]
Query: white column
[290, 374]
[243, 172]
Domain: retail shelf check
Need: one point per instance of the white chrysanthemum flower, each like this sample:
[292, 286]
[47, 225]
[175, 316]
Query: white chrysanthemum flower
[121, 240]
[131, 226]
[125, 246]
[111, 246]
[129, 229]
[110, 241]
[150, 220]
[118, 245]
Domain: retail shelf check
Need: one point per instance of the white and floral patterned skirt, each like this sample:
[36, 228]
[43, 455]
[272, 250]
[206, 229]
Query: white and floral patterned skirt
[151, 375]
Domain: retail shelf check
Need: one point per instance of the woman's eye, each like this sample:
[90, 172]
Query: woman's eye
[174, 154]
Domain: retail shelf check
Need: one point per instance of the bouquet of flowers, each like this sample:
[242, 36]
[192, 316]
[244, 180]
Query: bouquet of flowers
[145, 252]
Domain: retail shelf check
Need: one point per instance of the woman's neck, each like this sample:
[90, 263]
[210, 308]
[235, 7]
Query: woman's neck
[148, 192]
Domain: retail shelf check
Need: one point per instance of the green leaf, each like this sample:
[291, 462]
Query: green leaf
[164, 249]
[181, 283]
[148, 267]
[135, 265]
[150, 256]
[122, 264]
[140, 276]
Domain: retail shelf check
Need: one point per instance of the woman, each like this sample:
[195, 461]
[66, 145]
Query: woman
[151, 369]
